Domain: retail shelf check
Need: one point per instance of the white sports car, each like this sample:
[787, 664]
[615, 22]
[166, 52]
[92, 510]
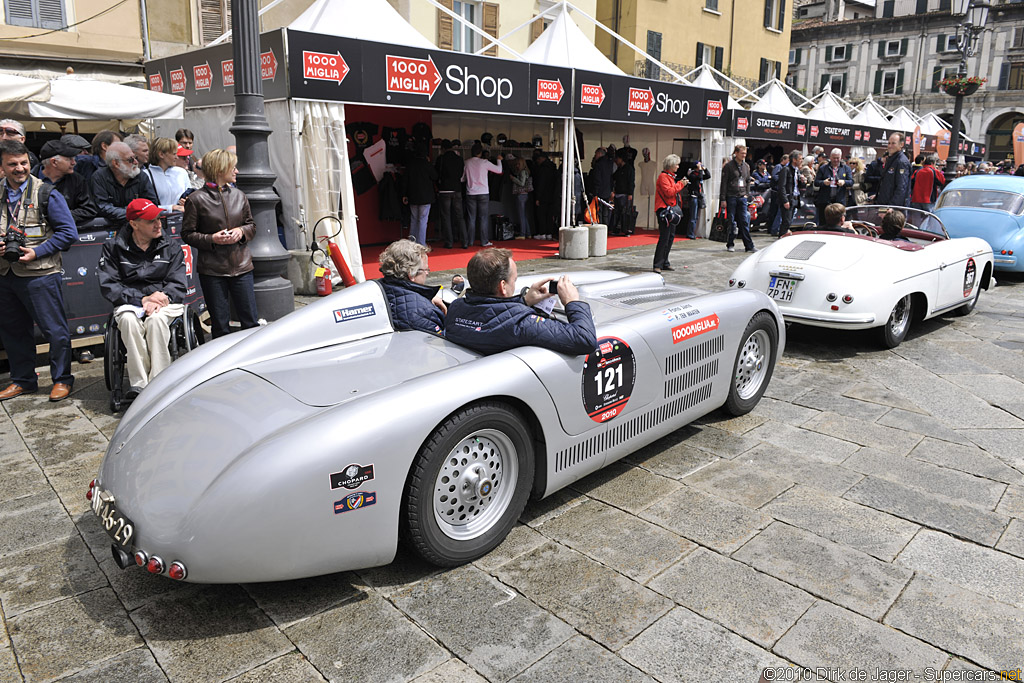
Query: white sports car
[857, 280]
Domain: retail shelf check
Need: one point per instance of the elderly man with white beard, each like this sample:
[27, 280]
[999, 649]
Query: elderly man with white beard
[119, 183]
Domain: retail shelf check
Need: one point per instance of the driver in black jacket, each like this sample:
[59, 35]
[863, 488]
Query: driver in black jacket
[493, 318]
[142, 273]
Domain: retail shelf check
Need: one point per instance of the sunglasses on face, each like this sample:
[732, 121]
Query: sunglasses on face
[13, 132]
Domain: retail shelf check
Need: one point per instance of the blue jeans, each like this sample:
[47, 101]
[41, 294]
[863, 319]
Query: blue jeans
[692, 212]
[479, 208]
[453, 221]
[220, 292]
[40, 299]
[524, 223]
[737, 208]
[418, 223]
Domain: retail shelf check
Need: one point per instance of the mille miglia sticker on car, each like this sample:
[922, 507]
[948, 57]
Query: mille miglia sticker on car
[355, 501]
[692, 329]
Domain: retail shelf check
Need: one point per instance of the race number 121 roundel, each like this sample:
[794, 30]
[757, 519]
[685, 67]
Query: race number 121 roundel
[608, 376]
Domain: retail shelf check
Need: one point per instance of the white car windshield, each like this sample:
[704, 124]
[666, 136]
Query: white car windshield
[921, 220]
[997, 200]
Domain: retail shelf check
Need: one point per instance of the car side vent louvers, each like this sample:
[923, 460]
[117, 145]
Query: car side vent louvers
[805, 250]
[601, 443]
[693, 355]
[678, 385]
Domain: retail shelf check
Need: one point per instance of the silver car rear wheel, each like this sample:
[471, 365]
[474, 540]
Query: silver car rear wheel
[475, 484]
[894, 331]
[468, 484]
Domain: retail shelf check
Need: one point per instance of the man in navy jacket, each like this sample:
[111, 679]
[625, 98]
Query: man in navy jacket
[492, 317]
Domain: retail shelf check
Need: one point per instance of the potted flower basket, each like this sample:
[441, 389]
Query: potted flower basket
[955, 85]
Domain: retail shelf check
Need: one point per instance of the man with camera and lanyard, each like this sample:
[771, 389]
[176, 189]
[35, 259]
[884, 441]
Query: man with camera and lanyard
[36, 223]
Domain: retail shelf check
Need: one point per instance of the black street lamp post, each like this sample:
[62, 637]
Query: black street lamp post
[975, 14]
[274, 294]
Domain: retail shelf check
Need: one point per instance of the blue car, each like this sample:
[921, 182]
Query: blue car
[990, 207]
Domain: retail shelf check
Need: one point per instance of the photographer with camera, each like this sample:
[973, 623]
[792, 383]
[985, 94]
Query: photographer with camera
[36, 225]
[493, 317]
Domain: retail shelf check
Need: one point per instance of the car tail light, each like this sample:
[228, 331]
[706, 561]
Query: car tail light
[834, 307]
[830, 297]
[732, 281]
[847, 299]
[88, 494]
[1010, 252]
[1003, 252]
[177, 571]
[141, 558]
[155, 565]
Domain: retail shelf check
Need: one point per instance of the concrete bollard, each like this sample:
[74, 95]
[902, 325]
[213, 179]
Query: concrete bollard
[573, 243]
[598, 240]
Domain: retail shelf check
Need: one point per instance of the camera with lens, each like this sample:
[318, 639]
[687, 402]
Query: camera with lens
[13, 238]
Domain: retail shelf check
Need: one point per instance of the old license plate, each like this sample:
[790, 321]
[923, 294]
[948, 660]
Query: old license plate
[781, 288]
[117, 525]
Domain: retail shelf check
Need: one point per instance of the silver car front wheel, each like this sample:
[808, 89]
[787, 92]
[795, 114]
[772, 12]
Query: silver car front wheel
[469, 484]
[755, 362]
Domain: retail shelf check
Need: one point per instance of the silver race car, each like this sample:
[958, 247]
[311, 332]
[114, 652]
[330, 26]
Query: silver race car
[309, 446]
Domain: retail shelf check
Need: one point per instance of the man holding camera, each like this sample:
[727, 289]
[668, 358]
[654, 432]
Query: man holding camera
[36, 225]
[492, 317]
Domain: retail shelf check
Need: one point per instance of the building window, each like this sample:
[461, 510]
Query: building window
[892, 48]
[711, 5]
[835, 82]
[709, 54]
[794, 56]
[947, 43]
[214, 19]
[773, 14]
[922, 6]
[464, 39]
[1018, 37]
[890, 82]
[36, 13]
[887, 8]
[1015, 80]
[769, 70]
[838, 53]
[945, 5]
[940, 73]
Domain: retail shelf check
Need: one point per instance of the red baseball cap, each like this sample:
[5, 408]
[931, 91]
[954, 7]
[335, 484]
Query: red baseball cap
[184, 151]
[142, 208]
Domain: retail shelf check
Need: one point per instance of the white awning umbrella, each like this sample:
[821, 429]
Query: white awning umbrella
[15, 88]
[83, 99]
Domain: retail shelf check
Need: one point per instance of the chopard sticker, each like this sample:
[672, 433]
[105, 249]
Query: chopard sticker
[355, 501]
[969, 276]
[692, 329]
[353, 313]
[352, 477]
[609, 374]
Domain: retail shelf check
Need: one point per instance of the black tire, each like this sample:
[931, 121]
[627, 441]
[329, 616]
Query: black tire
[495, 452]
[895, 329]
[111, 346]
[969, 306]
[754, 364]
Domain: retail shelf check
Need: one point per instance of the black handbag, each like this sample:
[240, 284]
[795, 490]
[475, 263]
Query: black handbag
[720, 227]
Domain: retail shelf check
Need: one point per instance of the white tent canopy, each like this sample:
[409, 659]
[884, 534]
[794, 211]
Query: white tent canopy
[705, 79]
[776, 101]
[374, 20]
[83, 99]
[932, 124]
[829, 108]
[563, 44]
[870, 114]
[903, 119]
[20, 89]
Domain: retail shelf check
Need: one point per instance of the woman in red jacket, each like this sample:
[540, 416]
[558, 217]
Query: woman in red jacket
[668, 212]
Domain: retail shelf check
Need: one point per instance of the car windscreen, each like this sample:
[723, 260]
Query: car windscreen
[915, 218]
[997, 200]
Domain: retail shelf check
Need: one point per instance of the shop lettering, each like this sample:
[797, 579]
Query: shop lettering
[156, 82]
[692, 329]
[320, 66]
[549, 91]
[178, 80]
[203, 76]
[640, 100]
[461, 82]
[413, 76]
[773, 123]
[592, 95]
[672, 105]
[832, 130]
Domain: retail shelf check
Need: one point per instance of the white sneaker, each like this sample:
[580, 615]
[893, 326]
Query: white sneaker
[489, 244]
[730, 248]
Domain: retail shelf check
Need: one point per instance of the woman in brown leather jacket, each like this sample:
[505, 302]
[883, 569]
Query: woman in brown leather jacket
[218, 224]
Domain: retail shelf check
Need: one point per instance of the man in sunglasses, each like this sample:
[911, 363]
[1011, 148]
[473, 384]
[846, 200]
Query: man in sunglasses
[121, 181]
[13, 130]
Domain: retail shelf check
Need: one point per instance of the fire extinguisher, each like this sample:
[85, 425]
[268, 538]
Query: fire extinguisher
[323, 280]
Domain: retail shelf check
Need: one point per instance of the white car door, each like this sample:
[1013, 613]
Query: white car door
[958, 274]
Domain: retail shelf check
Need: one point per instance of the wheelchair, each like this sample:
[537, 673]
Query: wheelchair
[186, 334]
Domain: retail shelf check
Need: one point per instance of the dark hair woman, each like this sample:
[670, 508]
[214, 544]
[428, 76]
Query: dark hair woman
[218, 224]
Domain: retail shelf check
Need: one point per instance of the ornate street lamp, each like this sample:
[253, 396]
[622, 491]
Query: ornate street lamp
[975, 15]
[274, 294]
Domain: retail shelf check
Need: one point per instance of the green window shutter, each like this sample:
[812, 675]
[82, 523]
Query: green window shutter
[903, 47]
[719, 54]
[824, 82]
[849, 52]
[936, 77]
[778, 70]
[940, 42]
[878, 82]
[782, 15]
[899, 82]
[1004, 76]
[797, 56]
[768, 13]
[881, 49]
[700, 54]
[828, 53]
[762, 75]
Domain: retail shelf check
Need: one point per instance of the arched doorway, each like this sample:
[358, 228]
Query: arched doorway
[1000, 144]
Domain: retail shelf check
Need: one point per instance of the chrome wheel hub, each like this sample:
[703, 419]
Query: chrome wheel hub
[900, 316]
[752, 366]
[475, 484]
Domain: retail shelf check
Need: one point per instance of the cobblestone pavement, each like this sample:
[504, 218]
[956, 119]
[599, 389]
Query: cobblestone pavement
[868, 516]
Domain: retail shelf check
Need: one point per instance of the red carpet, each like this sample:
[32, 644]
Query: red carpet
[522, 250]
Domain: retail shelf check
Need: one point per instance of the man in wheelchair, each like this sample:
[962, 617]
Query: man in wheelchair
[142, 273]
